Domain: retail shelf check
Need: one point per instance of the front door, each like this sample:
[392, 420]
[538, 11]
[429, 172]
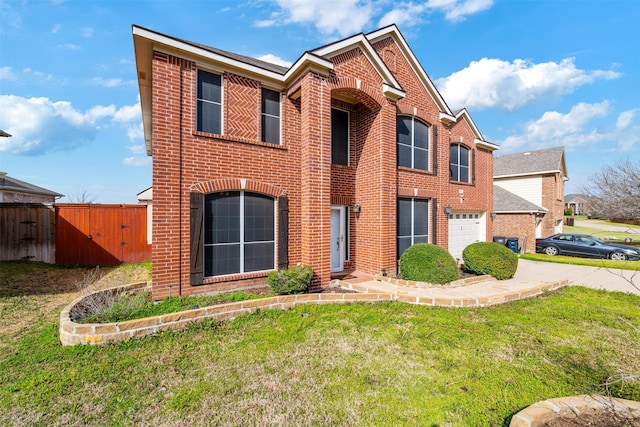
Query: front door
[337, 238]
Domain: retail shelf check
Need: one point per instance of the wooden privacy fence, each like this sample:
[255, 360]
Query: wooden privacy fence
[88, 234]
[27, 231]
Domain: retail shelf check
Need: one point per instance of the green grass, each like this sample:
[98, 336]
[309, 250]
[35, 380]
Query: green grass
[617, 236]
[357, 364]
[592, 262]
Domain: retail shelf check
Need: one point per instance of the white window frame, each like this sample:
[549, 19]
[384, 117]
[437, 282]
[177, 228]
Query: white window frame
[413, 145]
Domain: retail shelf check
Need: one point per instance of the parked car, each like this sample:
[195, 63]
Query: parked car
[585, 246]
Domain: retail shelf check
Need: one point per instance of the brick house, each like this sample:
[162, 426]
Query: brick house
[529, 195]
[13, 190]
[578, 203]
[340, 161]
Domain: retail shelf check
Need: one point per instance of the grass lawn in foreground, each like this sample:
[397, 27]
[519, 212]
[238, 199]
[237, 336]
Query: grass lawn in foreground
[358, 364]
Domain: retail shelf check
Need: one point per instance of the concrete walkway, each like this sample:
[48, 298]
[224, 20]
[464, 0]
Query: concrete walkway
[592, 277]
[532, 278]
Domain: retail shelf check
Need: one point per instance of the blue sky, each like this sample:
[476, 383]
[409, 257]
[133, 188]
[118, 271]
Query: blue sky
[532, 73]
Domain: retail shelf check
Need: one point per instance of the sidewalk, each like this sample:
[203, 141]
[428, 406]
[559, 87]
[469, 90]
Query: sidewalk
[532, 278]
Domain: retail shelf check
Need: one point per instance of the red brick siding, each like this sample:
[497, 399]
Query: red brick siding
[186, 160]
[520, 225]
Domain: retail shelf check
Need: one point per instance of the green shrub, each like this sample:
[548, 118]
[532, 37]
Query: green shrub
[294, 280]
[490, 258]
[424, 262]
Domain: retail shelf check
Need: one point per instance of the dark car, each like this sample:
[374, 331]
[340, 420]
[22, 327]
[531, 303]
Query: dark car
[585, 246]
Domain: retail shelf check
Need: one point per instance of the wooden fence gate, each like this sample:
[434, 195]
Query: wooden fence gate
[89, 234]
[27, 231]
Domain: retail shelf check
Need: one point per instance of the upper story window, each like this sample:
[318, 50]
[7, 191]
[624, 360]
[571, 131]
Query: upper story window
[413, 143]
[339, 137]
[270, 116]
[209, 102]
[459, 163]
[239, 233]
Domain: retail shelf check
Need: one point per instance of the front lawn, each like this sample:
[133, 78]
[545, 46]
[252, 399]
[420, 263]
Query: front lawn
[359, 364]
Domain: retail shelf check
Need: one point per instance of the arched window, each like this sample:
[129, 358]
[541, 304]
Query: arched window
[459, 163]
[239, 233]
[412, 137]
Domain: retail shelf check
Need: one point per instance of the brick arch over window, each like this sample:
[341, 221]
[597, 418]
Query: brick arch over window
[406, 110]
[363, 92]
[227, 184]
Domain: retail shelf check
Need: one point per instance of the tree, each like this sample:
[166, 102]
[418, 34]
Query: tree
[81, 196]
[614, 192]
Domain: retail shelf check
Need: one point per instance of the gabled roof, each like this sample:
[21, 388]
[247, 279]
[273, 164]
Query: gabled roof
[15, 185]
[506, 202]
[5, 134]
[549, 160]
[317, 60]
[479, 139]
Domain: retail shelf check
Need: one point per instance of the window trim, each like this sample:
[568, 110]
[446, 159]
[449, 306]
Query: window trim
[470, 167]
[263, 114]
[241, 241]
[413, 147]
[198, 71]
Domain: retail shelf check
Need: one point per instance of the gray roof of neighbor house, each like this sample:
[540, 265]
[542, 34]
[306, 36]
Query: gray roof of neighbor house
[505, 201]
[548, 160]
[571, 197]
[15, 185]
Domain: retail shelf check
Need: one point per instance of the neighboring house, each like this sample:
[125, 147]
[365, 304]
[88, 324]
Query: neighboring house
[578, 203]
[145, 197]
[341, 161]
[13, 190]
[535, 177]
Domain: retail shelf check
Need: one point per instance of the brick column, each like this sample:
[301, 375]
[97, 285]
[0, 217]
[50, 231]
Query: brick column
[315, 177]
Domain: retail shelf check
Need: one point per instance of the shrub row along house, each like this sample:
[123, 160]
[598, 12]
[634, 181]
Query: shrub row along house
[341, 162]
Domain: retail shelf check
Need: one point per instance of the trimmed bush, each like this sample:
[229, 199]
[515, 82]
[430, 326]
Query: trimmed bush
[490, 258]
[424, 262]
[294, 280]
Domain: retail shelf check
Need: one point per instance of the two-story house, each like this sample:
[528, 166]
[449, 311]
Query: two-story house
[529, 195]
[341, 161]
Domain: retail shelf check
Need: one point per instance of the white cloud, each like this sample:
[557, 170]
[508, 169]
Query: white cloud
[114, 82]
[458, 10]
[68, 46]
[410, 14]
[404, 15]
[507, 85]
[6, 73]
[128, 113]
[56, 28]
[625, 119]
[344, 17]
[87, 32]
[137, 148]
[577, 129]
[275, 60]
[136, 161]
[39, 125]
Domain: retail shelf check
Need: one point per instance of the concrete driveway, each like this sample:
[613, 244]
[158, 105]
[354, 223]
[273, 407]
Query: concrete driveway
[592, 277]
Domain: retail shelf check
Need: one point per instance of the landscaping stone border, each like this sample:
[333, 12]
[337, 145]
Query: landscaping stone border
[540, 413]
[414, 284]
[72, 333]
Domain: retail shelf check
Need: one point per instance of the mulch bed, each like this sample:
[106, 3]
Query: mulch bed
[607, 419]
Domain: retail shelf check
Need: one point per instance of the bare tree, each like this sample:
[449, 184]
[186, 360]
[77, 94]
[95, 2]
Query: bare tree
[81, 196]
[614, 192]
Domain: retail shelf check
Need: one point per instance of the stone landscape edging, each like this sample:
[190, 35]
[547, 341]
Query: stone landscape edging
[540, 413]
[73, 333]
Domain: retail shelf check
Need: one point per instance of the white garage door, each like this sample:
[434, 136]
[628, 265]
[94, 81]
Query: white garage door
[465, 228]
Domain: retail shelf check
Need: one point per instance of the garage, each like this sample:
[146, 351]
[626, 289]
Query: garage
[465, 228]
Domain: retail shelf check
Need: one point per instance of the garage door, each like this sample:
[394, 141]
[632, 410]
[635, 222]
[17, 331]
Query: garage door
[465, 228]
